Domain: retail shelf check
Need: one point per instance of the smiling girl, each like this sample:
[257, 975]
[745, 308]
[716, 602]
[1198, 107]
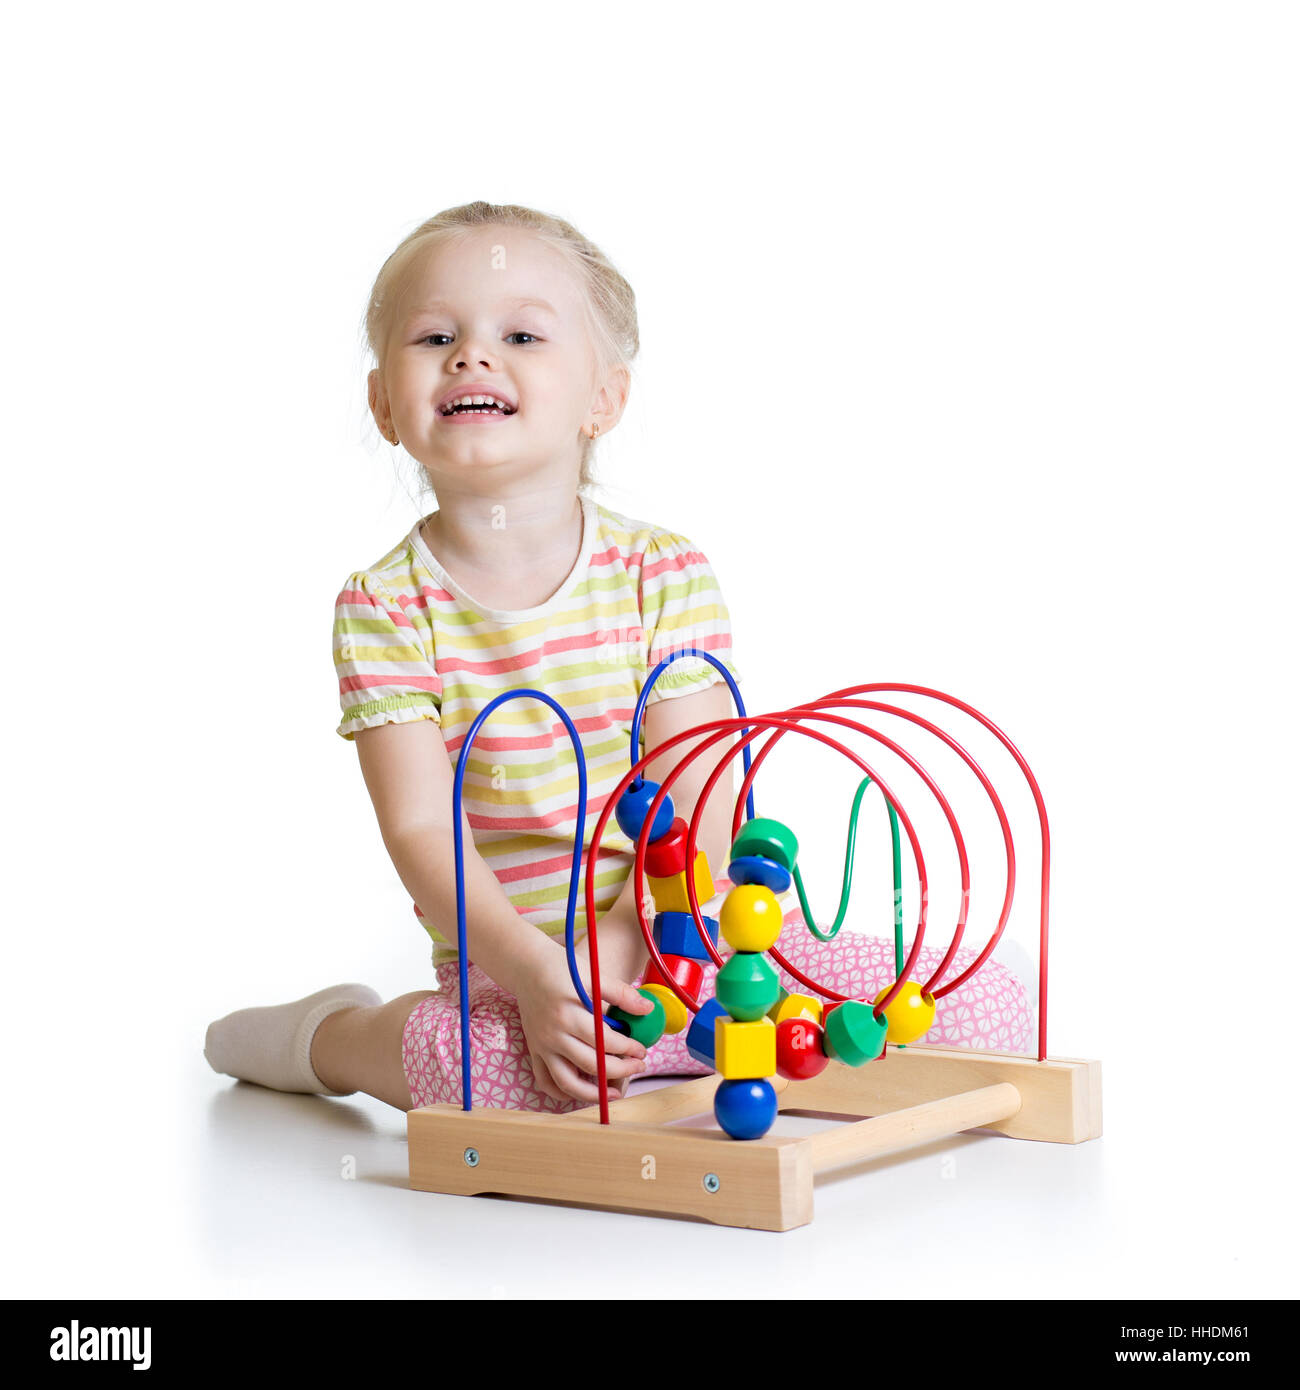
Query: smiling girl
[503, 341]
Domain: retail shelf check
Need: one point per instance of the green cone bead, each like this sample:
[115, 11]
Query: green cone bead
[747, 986]
[853, 1034]
[647, 1029]
[768, 839]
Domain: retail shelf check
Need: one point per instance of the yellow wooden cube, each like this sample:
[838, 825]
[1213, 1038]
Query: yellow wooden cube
[744, 1051]
[676, 1014]
[670, 893]
[797, 1006]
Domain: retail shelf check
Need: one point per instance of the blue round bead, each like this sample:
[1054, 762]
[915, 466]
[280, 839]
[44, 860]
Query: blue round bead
[745, 1109]
[633, 806]
[752, 868]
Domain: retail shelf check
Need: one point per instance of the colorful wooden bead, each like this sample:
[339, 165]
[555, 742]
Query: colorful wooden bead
[676, 1016]
[910, 1013]
[780, 999]
[798, 1006]
[751, 917]
[852, 1033]
[633, 807]
[751, 868]
[747, 986]
[676, 934]
[688, 975]
[800, 1050]
[700, 1035]
[744, 1050]
[766, 839]
[667, 855]
[647, 1029]
[670, 893]
[745, 1109]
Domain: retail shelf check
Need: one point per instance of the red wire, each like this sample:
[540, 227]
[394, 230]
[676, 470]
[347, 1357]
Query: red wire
[959, 841]
[779, 725]
[853, 724]
[880, 687]
[997, 806]
[776, 721]
[723, 727]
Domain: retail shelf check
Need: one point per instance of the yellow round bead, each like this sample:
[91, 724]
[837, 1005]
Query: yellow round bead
[751, 917]
[798, 1006]
[676, 1015]
[910, 1014]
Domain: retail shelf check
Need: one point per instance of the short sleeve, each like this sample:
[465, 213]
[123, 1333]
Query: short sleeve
[682, 606]
[386, 672]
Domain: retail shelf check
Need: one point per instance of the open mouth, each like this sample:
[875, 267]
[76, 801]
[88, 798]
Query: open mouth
[477, 405]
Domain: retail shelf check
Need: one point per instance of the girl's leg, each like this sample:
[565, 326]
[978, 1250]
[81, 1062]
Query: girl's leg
[501, 1071]
[360, 1049]
[270, 1045]
[992, 1010]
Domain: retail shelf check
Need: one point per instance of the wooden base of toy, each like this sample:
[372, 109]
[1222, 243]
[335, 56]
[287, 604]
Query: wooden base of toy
[641, 1162]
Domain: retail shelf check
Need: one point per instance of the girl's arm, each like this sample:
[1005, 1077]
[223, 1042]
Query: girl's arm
[409, 777]
[622, 950]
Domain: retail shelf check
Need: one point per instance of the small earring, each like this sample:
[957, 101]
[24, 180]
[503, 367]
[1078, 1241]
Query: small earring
[595, 430]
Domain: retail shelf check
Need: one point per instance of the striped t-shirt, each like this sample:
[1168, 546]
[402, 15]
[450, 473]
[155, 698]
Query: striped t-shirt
[410, 643]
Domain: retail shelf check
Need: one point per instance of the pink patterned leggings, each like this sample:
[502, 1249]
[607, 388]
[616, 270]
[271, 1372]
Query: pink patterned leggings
[991, 1010]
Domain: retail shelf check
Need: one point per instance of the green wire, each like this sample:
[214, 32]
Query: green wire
[830, 934]
[898, 890]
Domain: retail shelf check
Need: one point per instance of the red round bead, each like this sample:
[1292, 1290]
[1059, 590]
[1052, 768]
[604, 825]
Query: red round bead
[800, 1053]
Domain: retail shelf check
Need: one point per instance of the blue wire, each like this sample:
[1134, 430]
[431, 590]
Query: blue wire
[461, 764]
[645, 693]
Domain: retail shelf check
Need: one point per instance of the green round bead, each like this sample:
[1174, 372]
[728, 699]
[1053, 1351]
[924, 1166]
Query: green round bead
[747, 986]
[646, 1029]
[768, 839]
[853, 1034]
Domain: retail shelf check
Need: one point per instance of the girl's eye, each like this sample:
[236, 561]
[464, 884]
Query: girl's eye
[520, 334]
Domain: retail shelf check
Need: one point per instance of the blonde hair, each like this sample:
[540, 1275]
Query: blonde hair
[610, 303]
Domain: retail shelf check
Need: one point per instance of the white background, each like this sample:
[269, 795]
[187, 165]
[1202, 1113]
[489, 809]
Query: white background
[969, 358]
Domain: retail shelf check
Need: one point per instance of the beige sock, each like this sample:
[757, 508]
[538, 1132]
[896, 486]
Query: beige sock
[272, 1046]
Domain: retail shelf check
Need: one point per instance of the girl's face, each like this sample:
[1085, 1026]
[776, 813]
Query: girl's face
[494, 312]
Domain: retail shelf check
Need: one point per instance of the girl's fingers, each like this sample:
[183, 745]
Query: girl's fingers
[579, 1086]
[580, 1052]
[545, 1081]
[583, 1026]
[625, 996]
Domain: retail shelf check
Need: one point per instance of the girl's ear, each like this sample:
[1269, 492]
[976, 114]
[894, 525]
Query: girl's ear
[611, 397]
[379, 405]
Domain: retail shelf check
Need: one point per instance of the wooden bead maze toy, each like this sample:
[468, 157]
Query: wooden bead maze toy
[816, 1052]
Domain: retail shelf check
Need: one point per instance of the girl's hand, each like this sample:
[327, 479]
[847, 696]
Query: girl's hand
[561, 1034]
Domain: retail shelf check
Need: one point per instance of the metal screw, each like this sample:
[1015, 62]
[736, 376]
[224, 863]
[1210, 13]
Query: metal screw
[471, 1157]
[711, 1182]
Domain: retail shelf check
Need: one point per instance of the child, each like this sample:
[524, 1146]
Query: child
[503, 341]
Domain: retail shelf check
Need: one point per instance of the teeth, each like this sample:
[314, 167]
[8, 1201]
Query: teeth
[474, 400]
